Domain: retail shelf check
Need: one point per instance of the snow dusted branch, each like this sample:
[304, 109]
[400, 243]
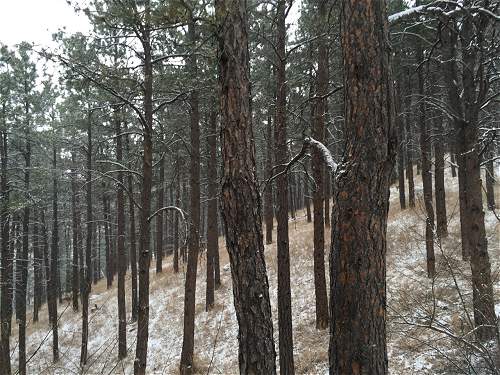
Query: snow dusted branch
[324, 151]
[435, 8]
[308, 143]
[393, 18]
[181, 212]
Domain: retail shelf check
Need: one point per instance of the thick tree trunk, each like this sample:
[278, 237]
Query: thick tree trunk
[282, 241]
[240, 203]
[212, 233]
[318, 132]
[361, 202]
[186, 365]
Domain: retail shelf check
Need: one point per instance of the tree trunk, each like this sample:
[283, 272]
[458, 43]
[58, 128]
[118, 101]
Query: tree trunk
[7, 257]
[466, 110]
[401, 148]
[409, 145]
[22, 263]
[453, 162]
[144, 226]
[240, 203]
[87, 282]
[268, 193]
[318, 132]
[75, 211]
[37, 267]
[176, 218]
[184, 201]
[186, 365]
[133, 246]
[159, 216]
[490, 183]
[54, 264]
[212, 235]
[120, 245]
[361, 202]
[307, 198]
[281, 158]
[107, 238]
[425, 148]
[441, 219]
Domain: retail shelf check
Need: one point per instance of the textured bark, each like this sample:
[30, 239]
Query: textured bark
[120, 245]
[144, 225]
[212, 233]
[282, 240]
[132, 238]
[318, 133]
[441, 219]
[361, 201]
[240, 202]
[54, 263]
[425, 148]
[186, 365]
[268, 193]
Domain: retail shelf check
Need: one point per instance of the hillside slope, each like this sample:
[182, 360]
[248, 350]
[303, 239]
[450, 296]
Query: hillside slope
[412, 348]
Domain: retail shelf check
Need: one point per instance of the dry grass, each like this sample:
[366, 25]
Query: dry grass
[215, 340]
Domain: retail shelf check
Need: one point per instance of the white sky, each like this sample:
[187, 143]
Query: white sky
[36, 20]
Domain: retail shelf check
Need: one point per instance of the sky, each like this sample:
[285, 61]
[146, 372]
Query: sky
[36, 20]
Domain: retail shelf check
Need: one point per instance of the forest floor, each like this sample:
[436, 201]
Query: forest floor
[412, 299]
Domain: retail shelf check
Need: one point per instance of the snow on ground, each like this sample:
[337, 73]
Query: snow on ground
[411, 350]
